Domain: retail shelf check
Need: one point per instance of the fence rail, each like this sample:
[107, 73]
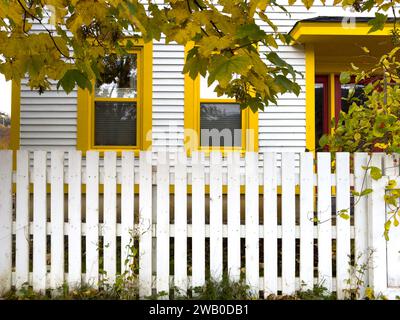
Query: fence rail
[65, 218]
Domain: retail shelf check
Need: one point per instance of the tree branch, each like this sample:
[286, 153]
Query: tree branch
[50, 33]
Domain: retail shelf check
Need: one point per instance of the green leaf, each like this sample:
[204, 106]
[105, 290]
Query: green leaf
[378, 23]
[345, 77]
[72, 77]
[284, 82]
[251, 31]
[376, 173]
[344, 215]
[323, 141]
[224, 68]
[366, 192]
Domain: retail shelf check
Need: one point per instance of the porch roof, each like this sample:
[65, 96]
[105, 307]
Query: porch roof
[325, 27]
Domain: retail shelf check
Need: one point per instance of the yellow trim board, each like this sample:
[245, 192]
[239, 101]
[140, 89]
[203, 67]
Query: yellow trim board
[310, 97]
[15, 115]
[305, 31]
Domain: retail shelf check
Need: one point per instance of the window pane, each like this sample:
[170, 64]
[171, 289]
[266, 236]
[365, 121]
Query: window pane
[115, 123]
[358, 96]
[220, 124]
[119, 79]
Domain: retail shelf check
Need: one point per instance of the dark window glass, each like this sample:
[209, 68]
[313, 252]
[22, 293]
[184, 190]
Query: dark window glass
[119, 78]
[115, 123]
[358, 96]
[220, 125]
[319, 111]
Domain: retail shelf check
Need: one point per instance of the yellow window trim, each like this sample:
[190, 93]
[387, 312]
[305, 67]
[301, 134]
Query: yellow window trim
[192, 119]
[86, 99]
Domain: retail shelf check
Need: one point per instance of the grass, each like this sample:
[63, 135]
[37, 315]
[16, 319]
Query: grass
[4, 137]
[225, 289]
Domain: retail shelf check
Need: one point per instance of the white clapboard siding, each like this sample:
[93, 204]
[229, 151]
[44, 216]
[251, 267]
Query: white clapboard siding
[391, 169]
[198, 220]
[74, 217]
[288, 223]
[92, 218]
[39, 222]
[110, 214]
[361, 213]
[145, 224]
[180, 222]
[127, 211]
[270, 225]
[162, 234]
[22, 220]
[233, 207]
[342, 224]
[57, 219]
[251, 220]
[324, 218]
[5, 220]
[306, 220]
[216, 215]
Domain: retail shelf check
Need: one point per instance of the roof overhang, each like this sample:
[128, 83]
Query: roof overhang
[306, 31]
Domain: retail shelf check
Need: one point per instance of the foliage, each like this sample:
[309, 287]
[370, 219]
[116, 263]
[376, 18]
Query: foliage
[357, 272]
[226, 289]
[75, 36]
[4, 137]
[318, 292]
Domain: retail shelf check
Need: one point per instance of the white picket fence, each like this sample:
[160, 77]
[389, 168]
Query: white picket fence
[283, 249]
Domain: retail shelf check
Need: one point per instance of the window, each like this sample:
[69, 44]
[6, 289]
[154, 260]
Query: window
[331, 98]
[216, 123]
[117, 114]
[115, 102]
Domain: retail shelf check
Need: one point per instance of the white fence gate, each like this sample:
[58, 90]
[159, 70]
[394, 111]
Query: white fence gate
[208, 214]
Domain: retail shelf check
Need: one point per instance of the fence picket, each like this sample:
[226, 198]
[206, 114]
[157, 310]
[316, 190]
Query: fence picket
[92, 218]
[391, 169]
[5, 220]
[127, 210]
[22, 220]
[74, 218]
[342, 224]
[288, 223]
[216, 215]
[57, 219]
[180, 222]
[376, 221]
[145, 224]
[270, 225]
[162, 284]
[361, 214]
[306, 220]
[233, 207]
[110, 215]
[39, 222]
[324, 217]
[252, 219]
[198, 220]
